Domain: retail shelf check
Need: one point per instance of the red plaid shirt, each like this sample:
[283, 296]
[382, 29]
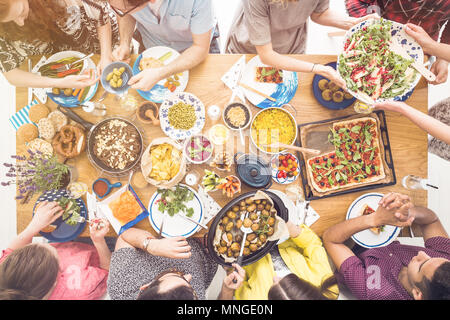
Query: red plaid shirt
[431, 15]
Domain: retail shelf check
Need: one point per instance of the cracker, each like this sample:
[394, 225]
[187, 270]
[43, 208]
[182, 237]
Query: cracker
[58, 119]
[41, 145]
[46, 129]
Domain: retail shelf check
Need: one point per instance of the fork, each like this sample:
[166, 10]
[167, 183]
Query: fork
[66, 67]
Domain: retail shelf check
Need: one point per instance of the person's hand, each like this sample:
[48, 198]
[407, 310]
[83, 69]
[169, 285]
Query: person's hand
[355, 21]
[104, 61]
[395, 106]
[98, 229]
[440, 69]
[77, 81]
[331, 74]
[175, 248]
[122, 53]
[45, 214]
[421, 36]
[237, 275]
[393, 209]
[145, 80]
[294, 231]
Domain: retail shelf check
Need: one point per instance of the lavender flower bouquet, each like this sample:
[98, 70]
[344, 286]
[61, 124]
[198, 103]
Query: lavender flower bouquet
[36, 172]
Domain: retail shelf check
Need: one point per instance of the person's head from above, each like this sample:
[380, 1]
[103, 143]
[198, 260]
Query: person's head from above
[429, 278]
[30, 19]
[124, 7]
[29, 273]
[168, 285]
[291, 287]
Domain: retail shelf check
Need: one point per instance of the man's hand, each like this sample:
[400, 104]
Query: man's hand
[393, 209]
[440, 69]
[175, 248]
[122, 53]
[45, 214]
[146, 79]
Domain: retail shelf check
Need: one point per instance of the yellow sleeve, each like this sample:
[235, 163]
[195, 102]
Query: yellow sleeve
[258, 280]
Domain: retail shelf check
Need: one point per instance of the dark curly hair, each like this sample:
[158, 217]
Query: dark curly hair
[437, 288]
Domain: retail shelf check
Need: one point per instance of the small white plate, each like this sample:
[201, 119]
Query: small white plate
[176, 226]
[367, 238]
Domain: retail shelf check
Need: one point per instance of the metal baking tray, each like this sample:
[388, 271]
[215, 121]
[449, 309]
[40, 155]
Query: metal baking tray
[387, 154]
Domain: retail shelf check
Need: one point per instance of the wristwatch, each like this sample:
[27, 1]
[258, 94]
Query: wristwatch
[146, 242]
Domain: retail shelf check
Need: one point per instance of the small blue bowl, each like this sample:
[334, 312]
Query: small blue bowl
[126, 76]
[108, 184]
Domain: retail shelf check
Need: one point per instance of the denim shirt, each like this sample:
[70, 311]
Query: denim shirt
[179, 20]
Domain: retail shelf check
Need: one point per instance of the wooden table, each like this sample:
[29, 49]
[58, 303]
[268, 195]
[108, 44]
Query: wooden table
[408, 142]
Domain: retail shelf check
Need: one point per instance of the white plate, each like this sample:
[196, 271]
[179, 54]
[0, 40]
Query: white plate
[282, 92]
[289, 205]
[72, 101]
[176, 226]
[367, 238]
[159, 93]
[187, 98]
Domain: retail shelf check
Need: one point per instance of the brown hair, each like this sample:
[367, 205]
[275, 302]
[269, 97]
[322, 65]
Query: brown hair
[28, 273]
[291, 287]
[40, 24]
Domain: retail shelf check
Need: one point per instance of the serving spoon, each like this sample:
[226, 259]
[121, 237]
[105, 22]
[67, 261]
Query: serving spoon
[246, 231]
[291, 147]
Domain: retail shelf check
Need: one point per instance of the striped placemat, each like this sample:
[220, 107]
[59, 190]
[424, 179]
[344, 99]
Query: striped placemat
[22, 116]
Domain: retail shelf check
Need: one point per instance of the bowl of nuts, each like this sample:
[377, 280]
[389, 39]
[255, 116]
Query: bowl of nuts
[115, 77]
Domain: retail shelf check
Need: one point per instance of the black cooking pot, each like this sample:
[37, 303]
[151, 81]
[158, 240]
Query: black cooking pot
[282, 212]
[253, 171]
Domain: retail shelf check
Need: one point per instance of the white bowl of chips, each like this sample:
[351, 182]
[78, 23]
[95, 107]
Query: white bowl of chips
[163, 163]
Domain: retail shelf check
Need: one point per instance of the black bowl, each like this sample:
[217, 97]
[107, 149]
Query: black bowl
[282, 212]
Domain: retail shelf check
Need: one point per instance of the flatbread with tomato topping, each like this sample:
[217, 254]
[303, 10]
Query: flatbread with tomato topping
[355, 161]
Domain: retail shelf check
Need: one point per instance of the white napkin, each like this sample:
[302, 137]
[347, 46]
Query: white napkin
[92, 205]
[210, 205]
[232, 77]
[309, 217]
[40, 93]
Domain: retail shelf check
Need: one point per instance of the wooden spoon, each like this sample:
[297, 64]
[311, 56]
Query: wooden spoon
[291, 147]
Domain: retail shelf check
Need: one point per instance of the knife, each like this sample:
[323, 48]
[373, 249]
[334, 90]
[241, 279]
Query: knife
[193, 221]
[30, 90]
[162, 225]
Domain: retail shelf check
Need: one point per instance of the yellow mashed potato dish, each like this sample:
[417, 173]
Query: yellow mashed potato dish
[273, 126]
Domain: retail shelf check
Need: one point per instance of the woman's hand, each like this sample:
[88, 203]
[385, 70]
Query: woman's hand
[237, 275]
[331, 74]
[77, 81]
[393, 209]
[440, 69]
[421, 36]
[294, 231]
[98, 229]
[122, 53]
[45, 214]
[175, 248]
[104, 61]
[355, 21]
[395, 106]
